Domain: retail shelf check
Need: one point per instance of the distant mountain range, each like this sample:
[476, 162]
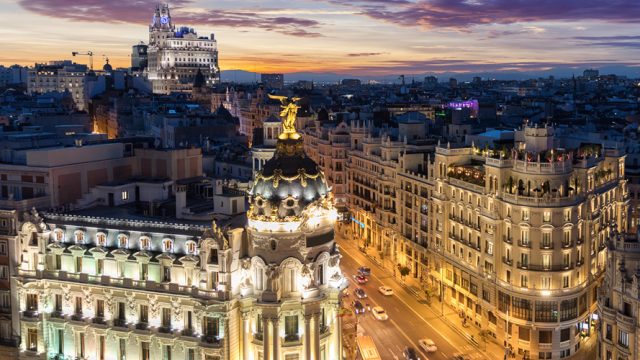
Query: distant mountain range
[242, 76]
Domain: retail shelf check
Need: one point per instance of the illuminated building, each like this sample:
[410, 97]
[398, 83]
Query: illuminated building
[59, 76]
[139, 59]
[519, 237]
[263, 285]
[174, 55]
[619, 299]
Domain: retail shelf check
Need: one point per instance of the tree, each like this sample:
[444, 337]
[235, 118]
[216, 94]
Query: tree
[404, 271]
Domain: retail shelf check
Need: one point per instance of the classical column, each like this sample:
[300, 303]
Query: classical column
[307, 336]
[245, 334]
[227, 339]
[266, 352]
[276, 338]
[316, 336]
[337, 326]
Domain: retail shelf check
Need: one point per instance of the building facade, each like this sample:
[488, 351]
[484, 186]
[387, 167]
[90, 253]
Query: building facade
[108, 287]
[59, 76]
[619, 300]
[174, 55]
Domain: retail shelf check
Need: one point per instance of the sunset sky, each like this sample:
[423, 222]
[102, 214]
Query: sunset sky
[366, 37]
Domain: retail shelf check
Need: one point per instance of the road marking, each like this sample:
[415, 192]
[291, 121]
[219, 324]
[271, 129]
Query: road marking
[408, 306]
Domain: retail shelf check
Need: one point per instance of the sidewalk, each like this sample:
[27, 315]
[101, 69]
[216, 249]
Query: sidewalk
[451, 318]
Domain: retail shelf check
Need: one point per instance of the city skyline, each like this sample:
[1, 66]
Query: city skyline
[362, 38]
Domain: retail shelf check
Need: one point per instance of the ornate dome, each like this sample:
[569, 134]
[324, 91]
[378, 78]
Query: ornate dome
[288, 183]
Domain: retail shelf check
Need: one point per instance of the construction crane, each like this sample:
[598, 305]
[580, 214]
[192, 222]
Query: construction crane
[88, 53]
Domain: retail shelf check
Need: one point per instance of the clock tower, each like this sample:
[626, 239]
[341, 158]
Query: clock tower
[161, 20]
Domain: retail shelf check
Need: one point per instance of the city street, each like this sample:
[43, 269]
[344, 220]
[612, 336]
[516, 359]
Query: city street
[409, 320]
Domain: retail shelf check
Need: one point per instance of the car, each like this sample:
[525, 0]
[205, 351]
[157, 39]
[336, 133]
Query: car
[361, 279]
[358, 307]
[360, 293]
[364, 271]
[379, 313]
[410, 353]
[428, 345]
[385, 290]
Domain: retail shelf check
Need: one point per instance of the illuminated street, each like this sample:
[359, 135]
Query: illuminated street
[409, 320]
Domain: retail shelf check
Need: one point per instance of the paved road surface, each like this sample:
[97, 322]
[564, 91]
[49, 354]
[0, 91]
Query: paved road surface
[409, 320]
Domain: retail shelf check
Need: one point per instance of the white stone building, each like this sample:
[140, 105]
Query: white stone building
[263, 287]
[176, 54]
[59, 76]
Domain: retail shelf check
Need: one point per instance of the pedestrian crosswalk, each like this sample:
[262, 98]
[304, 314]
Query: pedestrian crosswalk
[469, 352]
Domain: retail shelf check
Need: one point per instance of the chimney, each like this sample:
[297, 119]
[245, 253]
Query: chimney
[181, 200]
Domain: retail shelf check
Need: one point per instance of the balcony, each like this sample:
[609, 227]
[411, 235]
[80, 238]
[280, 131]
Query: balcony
[142, 326]
[165, 329]
[566, 245]
[210, 340]
[508, 240]
[580, 262]
[507, 261]
[77, 317]
[187, 332]
[120, 323]
[32, 314]
[258, 336]
[628, 320]
[546, 246]
[99, 320]
[536, 267]
[57, 314]
[524, 244]
[579, 241]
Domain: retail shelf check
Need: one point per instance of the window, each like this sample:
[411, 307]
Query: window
[60, 333]
[545, 336]
[79, 235]
[32, 339]
[99, 266]
[145, 243]
[4, 272]
[78, 306]
[546, 262]
[565, 281]
[144, 314]
[213, 256]
[486, 295]
[3, 247]
[191, 247]
[525, 215]
[166, 274]
[546, 240]
[524, 333]
[546, 216]
[524, 281]
[211, 326]
[58, 235]
[166, 317]
[521, 308]
[57, 306]
[102, 348]
[167, 245]
[144, 351]
[123, 241]
[101, 239]
[144, 271]
[565, 334]
[608, 333]
[32, 302]
[291, 325]
[166, 352]
[504, 302]
[78, 264]
[99, 308]
[546, 311]
[81, 345]
[125, 195]
[568, 309]
[567, 215]
[122, 349]
[623, 338]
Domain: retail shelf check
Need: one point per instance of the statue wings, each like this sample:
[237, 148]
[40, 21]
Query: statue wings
[284, 99]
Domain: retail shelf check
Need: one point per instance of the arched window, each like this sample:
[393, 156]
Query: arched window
[191, 247]
[145, 243]
[123, 241]
[167, 245]
[101, 239]
[79, 236]
[58, 235]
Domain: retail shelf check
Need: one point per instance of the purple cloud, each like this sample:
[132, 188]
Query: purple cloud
[363, 54]
[466, 13]
[140, 12]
